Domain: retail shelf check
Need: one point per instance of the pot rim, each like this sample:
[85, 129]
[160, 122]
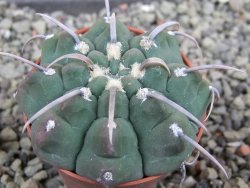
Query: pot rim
[131, 183]
[127, 184]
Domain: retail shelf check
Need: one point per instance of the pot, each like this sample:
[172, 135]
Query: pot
[73, 180]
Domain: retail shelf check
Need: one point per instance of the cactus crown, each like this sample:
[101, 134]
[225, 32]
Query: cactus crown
[122, 106]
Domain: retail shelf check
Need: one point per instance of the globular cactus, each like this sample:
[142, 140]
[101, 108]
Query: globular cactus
[113, 106]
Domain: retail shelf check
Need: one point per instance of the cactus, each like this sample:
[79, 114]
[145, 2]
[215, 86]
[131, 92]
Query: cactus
[113, 106]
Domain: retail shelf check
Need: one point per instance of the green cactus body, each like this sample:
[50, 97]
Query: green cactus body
[75, 135]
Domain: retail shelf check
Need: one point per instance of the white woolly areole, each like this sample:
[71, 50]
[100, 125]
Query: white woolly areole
[180, 72]
[49, 36]
[98, 71]
[146, 43]
[114, 83]
[114, 50]
[142, 94]
[171, 33]
[49, 72]
[82, 47]
[136, 72]
[108, 176]
[86, 93]
[50, 125]
[176, 129]
[107, 19]
[122, 67]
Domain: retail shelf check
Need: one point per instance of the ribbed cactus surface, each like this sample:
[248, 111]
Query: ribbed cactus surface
[115, 125]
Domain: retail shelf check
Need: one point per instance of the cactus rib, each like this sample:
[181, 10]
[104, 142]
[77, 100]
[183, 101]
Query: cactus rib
[51, 105]
[154, 94]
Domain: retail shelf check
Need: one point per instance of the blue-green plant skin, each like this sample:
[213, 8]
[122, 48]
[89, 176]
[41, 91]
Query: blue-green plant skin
[143, 143]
